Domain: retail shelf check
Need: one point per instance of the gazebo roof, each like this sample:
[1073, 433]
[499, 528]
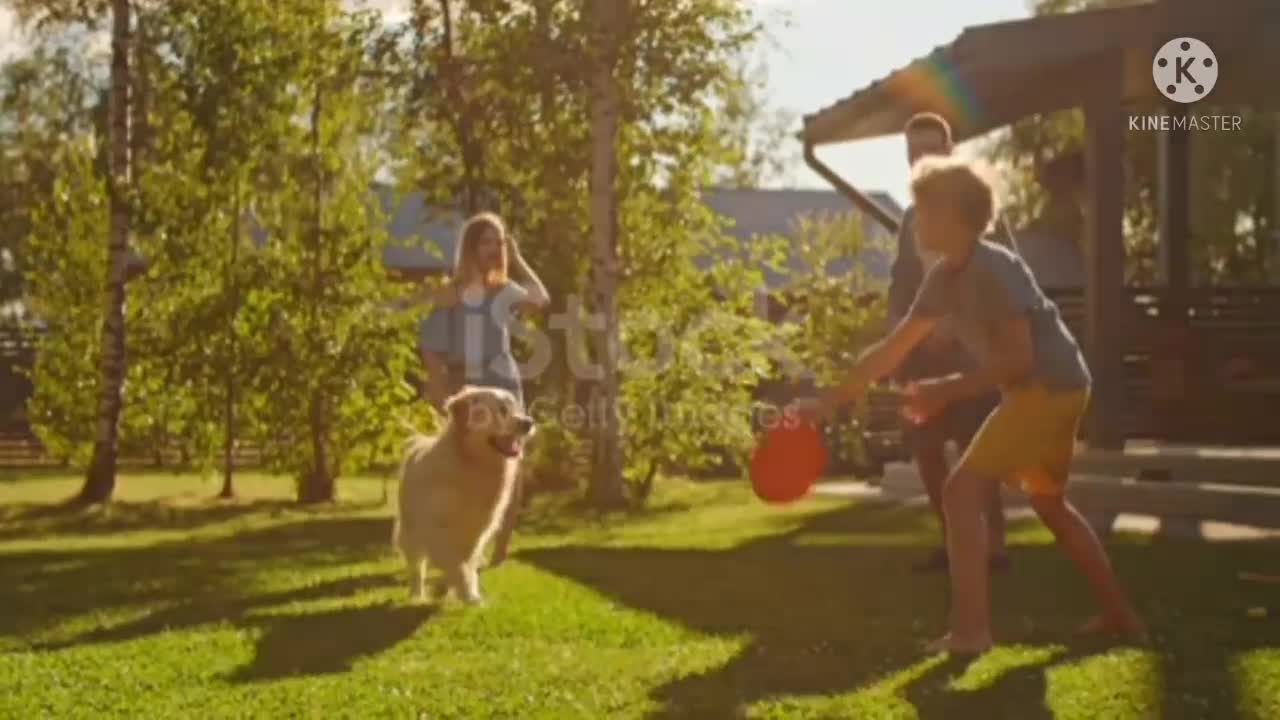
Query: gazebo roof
[992, 75]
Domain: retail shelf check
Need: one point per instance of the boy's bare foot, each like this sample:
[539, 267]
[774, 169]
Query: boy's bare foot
[1129, 629]
[965, 647]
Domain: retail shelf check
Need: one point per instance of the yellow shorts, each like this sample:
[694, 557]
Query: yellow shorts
[1029, 439]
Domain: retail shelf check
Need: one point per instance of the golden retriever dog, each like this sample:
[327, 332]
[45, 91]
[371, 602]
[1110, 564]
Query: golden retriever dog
[455, 488]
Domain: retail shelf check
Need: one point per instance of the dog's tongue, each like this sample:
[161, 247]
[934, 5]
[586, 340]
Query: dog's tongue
[509, 446]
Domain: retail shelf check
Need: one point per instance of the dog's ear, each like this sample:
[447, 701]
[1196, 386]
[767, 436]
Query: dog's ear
[458, 404]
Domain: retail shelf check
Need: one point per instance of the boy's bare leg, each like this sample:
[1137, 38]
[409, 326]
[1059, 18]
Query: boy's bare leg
[966, 502]
[996, 543]
[970, 419]
[1077, 539]
[931, 463]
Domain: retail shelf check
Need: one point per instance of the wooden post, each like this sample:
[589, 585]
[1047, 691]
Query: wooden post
[1106, 302]
[1173, 418]
[1174, 175]
[1273, 245]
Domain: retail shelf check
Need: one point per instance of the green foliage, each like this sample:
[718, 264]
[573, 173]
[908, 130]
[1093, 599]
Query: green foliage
[65, 243]
[47, 97]
[218, 101]
[695, 351]
[555, 458]
[332, 382]
[1234, 213]
[836, 315]
[495, 109]
[762, 148]
[831, 317]
[1234, 220]
[264, 313]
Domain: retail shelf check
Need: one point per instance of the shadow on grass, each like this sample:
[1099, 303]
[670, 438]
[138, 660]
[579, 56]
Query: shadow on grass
[329, 642]
[825, 610]
[832, 617]
[179, 586]
[189, 513]
[563, 517]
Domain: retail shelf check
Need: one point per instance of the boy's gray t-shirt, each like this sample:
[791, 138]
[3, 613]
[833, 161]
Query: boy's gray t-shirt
[993, 286]
[475, 336]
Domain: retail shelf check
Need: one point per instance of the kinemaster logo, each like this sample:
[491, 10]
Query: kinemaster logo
[1185, 71]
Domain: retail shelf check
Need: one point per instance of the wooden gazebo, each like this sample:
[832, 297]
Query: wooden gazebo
[1101, 61]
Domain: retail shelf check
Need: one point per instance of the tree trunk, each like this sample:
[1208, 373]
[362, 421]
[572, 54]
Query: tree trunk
[462, 115]
[608, 489]
[100, 480]
[228, 490]
[233, 362]
[317, 484]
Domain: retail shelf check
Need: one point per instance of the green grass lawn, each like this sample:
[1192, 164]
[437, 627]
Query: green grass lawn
[708, 605]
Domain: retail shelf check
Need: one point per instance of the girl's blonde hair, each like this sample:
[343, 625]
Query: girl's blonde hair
[466, 264]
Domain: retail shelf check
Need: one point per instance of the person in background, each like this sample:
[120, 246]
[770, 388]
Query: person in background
[466, 338]
[1053, 244]
[1023, 348]
[940, 355]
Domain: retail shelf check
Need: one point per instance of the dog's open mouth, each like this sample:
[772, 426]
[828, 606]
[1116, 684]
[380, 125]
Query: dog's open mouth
[508, 445]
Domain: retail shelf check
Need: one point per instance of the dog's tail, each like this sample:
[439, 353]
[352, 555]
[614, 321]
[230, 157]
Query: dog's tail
[416, 442]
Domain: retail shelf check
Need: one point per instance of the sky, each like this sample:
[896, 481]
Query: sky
[820, 51]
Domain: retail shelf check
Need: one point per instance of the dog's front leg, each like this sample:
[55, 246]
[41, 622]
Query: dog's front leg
[417, 578]
[465, 582]
[507, 527]
[471, 585]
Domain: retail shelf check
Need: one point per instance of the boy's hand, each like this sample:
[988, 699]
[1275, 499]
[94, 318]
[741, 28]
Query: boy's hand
[927, 398]
[810, 410]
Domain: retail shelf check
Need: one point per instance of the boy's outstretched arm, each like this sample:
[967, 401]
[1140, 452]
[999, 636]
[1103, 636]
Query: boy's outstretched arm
[876, 362]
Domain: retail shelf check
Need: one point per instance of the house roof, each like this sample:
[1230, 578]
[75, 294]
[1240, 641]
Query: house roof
[423, 239]
[992, 75]
[756, 213]
[763, 212]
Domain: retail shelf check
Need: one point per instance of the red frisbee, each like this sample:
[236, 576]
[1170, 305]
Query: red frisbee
[787, 462]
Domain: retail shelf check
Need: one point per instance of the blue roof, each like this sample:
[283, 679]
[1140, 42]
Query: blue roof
[422, 238]
[755, 213]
